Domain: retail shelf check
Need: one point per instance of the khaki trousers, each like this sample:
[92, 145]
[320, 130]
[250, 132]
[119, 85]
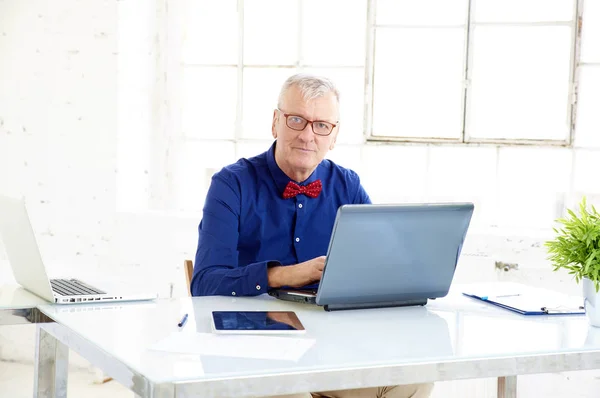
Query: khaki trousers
[405, 391]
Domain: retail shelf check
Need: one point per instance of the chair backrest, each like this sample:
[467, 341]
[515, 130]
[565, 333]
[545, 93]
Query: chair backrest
[188, 267]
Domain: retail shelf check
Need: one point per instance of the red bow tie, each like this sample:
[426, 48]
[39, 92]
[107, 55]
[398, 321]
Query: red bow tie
[311, 190]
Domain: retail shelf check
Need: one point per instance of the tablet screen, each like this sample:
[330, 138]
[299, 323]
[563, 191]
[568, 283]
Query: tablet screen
[258, 321]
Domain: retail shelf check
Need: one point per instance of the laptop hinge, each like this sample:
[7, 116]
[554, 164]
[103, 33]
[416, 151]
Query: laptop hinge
[383, 304]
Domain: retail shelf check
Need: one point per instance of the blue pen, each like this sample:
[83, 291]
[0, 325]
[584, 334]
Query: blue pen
[183, 321]
[505, 295]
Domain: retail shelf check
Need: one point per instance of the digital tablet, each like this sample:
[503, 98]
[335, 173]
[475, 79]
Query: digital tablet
[272, 322]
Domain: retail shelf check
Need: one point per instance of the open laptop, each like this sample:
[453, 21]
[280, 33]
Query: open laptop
[389, 255]
[18, 239]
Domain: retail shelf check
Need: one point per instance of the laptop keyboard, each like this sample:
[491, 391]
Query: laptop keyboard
[72, 287]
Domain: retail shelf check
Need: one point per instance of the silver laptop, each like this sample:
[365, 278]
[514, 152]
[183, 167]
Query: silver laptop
[28, 268]
[388, 255]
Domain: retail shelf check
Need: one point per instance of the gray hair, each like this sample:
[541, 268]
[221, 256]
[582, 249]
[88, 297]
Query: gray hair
[311, 87]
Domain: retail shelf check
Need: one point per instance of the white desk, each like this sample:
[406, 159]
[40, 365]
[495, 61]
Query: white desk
[18, 306]
[452, 338]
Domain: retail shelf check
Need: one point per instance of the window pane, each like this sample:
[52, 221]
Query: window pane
[251, 148]
[585, 176]
[349, 156]
[261, 91]
[351, 84]
[195, 163]
[458, 173]
[532, 183]
[339, 39]
[209, 102]
[410, 12]
[418, 82]
[211, 31]
[409, 164]
[524, 10]
[520, 83]
[587, 128]
[590, 37]
[270, 32]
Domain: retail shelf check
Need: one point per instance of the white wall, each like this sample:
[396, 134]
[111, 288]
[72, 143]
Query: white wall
[58, 117]
[60, 64]
[81, 102]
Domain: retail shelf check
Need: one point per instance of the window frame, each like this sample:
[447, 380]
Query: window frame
[169, 134]
[464, 139]
[369, 69]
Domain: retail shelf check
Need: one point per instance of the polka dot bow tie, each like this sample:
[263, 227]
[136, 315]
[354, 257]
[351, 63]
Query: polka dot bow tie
[311, 190]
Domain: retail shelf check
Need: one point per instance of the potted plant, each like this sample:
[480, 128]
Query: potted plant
[576, 248]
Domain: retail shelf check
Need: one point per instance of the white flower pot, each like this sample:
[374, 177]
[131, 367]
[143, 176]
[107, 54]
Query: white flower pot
[592, 302]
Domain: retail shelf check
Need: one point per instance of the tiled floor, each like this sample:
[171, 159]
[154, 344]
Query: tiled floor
[16, 381]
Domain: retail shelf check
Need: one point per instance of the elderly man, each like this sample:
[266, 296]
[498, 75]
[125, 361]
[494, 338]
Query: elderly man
[267, 220]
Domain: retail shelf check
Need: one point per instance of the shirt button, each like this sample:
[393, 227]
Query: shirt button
[299, 205]
[257, 287]
[233, 293]
[297, 239]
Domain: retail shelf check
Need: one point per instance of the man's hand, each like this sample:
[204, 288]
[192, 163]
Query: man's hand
[296, 275]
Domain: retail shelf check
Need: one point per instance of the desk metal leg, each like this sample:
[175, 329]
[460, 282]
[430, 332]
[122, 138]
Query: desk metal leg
[51, 366]
[507, 387]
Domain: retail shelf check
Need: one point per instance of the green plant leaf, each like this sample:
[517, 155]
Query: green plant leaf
[576, 245]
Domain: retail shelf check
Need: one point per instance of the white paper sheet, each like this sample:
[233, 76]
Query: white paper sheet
[239, 346]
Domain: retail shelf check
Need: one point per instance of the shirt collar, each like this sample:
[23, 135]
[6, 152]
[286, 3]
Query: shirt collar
[281, 179]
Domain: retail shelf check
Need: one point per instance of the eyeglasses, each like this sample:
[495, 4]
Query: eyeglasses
[299, 123]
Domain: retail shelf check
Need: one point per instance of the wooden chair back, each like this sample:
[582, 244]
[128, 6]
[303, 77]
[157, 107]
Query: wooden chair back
[188, 266]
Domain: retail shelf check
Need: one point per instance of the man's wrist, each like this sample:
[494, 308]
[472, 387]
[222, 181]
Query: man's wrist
[277, 276]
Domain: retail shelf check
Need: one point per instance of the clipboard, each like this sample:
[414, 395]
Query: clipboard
[533, 302]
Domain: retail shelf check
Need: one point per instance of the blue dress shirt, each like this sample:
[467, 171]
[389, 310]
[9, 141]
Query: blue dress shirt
[248, 226]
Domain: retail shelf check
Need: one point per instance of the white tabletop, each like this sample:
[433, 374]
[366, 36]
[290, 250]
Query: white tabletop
[15, 297]
[18, 306]
[452, 330]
